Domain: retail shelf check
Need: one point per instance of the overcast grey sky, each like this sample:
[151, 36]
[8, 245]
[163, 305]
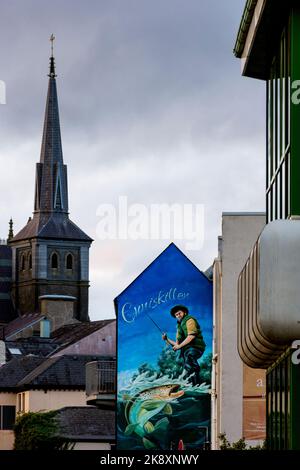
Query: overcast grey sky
[152, 106]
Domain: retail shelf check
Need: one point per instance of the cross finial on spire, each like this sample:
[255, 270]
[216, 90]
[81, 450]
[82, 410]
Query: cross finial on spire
[52, 64]
[52, 39]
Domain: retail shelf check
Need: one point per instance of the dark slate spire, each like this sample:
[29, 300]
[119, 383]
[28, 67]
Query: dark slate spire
[11, 230]
[51, 212]
[51, 193]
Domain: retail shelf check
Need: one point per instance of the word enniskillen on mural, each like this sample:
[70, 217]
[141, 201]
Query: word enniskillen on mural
[130, 312]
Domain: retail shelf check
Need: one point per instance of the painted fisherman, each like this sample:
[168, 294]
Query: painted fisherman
[189, 341]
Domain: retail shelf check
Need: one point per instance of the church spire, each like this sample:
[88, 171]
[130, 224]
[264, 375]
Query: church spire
[11, 231]
[51, 193]
[52, 61]
[50, 241]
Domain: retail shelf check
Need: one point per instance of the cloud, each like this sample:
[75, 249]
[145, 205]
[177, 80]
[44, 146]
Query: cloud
[152, 106]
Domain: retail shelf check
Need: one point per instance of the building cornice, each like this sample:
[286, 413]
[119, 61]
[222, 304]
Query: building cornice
[244, 27]
[259, 35]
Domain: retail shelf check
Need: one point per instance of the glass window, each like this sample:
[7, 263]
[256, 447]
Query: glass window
[278, 128]
[14, 350]
[54, 261]
[22, 262]
[69, 262]
[7, 417]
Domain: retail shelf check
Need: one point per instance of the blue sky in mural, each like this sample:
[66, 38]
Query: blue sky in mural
[170, 280]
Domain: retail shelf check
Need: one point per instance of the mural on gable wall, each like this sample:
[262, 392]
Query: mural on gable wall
[164, 389]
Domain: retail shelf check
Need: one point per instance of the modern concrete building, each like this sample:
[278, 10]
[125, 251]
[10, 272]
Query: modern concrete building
[237, 392]
[268, 44]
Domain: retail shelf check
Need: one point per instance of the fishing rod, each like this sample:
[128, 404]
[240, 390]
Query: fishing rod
[158, 327]
[154, 323]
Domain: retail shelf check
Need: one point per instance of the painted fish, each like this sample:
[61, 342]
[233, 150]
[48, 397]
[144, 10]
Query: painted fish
[147, 404]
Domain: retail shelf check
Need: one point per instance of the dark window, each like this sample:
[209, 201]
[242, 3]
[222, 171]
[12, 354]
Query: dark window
[7, 417]
[58, 204]
[54, 261]
[69, 262]
[22, 262]
[30, 261]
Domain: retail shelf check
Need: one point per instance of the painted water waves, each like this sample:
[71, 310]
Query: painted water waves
[158, 409]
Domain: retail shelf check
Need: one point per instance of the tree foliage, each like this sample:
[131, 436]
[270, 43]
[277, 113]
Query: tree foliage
[238, 445]
[169, 363]
[39, 431]
[205, 369]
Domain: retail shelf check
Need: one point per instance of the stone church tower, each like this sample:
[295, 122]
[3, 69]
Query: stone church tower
[50, 255]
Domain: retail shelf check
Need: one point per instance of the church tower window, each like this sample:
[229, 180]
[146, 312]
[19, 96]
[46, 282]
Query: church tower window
[30, 261]
[58, 200]
[69, 261]
[54, 261]
[23, 263]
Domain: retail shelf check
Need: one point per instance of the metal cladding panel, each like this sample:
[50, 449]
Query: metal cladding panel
[279, 286]
[255, 347]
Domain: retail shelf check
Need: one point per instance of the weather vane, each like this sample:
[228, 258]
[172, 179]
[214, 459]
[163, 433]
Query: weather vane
[52, 38]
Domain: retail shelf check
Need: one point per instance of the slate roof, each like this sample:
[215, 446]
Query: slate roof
[69, 334]
[22, 322]
[15, 370]
[33, 345]
[51, 160]
[32, 372]
[45, 347]
[57, 226]
[60, 372]
[86, 423]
